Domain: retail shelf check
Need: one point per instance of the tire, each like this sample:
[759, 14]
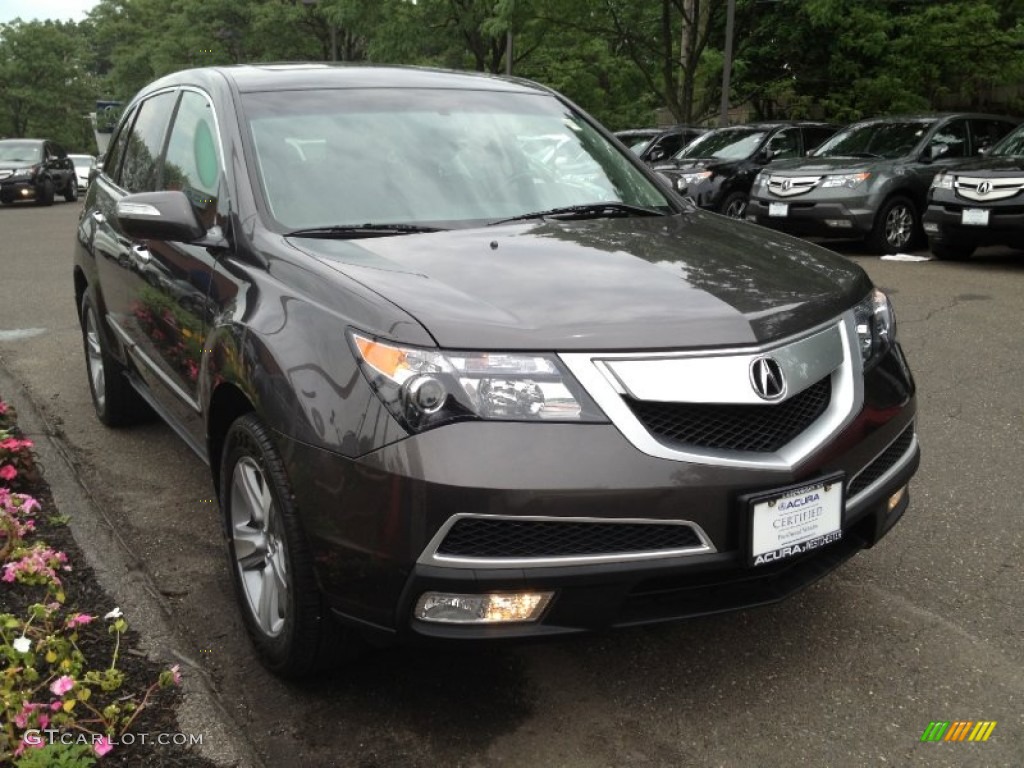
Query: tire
[116, 402]
[896, 226]
[71, 193]
[46, 196]
[271, 567]
[735, 205]
[951, 250]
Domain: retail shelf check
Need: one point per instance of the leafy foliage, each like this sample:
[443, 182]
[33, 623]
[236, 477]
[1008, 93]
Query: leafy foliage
[620, 59]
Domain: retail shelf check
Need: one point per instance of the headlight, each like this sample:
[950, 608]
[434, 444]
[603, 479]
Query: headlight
[942, 181]
[845, 180]
[425, 388]
[760, 180]
[876, 326]
[686, 179]
[30, 171]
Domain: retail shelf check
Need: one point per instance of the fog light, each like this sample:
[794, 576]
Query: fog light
[26, 192]
[931, 228]
[752, 218]
[840, 223]
[495, 608]
[896, 498]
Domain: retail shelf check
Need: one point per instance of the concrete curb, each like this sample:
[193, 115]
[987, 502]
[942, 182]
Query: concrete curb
[122, 574]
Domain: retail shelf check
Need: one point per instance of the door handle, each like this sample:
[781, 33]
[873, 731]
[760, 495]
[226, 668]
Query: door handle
[141, 252]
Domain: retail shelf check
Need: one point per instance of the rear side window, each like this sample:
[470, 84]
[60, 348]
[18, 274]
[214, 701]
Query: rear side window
[112, 163]
[193, 158]
[139, 170]
[815, 136]
[784, 144]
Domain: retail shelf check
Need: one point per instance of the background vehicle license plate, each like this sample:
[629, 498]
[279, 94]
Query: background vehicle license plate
[791, 521]
[975, 216]
[782, 209]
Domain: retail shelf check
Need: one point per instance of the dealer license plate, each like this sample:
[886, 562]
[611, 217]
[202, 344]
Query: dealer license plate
[977, 217]
[792, 521]
[779, 209]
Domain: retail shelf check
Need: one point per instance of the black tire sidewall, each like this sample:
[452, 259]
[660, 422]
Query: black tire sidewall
[730, 199]
[293, 651]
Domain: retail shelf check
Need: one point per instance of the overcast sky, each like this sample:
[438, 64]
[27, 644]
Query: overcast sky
[61, 10]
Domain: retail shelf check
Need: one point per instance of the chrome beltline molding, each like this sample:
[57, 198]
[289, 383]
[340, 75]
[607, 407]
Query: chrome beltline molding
[837, 341]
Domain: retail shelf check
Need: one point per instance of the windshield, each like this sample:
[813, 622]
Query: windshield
[1011, 146]
[724, 144]
[888, 140]
[20, 151]
[441, 157]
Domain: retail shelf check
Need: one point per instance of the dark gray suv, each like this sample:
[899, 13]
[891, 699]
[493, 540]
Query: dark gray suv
[871, 179]
[449, 391]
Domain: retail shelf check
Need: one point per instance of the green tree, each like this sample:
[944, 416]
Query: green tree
[46, 88]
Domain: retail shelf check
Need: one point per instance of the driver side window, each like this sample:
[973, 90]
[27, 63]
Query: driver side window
[192, 164]
[953, 137]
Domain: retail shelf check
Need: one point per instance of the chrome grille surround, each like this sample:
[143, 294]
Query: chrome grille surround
[1000, 188]
[721, 377]
[433, 553]
[789, 186]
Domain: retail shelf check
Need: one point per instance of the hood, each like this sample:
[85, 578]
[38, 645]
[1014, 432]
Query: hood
[692, 164]
[9, 165]
[820, 166]
[684, 281]
[1010, 164]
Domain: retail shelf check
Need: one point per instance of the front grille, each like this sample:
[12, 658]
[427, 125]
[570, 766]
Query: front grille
[759, 428]
[478, 537]
[886, 461]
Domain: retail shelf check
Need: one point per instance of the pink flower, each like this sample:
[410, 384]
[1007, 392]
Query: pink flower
[176, 674]
[55, 706]
[3, 407]
[8, 472]
[21, 719]
[102, 746]
[79, 620]
[62, 685]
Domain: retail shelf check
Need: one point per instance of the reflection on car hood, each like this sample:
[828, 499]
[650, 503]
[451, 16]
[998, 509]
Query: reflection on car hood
[8, 165]
[819, 166]
[691, 163]
[689, 280]
[1012, 163]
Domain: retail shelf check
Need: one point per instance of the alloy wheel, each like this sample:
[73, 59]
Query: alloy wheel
[899, 226]
[94, 358]
[258, 546]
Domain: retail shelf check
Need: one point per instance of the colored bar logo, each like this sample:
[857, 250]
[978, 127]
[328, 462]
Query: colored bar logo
[958, 730]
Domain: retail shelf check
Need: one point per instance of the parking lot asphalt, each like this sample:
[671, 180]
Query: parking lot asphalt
[925, 627]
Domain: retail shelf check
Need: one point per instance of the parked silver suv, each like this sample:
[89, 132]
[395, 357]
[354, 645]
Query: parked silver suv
[871, 180]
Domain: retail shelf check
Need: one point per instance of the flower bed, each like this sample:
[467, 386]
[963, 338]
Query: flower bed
[73, 690]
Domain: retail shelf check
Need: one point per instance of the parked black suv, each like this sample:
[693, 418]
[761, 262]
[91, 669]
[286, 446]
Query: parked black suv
[979, 203]
[871, 179]
[718, 169]
[35, 169]
[483, 398]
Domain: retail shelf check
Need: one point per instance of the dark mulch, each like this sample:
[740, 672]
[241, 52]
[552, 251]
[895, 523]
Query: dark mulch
[85, 595]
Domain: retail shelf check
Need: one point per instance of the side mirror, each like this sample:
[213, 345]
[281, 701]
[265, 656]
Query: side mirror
[765, 156]
[984, 150]
[159, 216]
[935, 151]
[656, 155]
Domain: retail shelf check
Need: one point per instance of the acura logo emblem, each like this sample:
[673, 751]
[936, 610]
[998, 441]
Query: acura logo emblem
[985, 187]
[767, 379]
[787, 184]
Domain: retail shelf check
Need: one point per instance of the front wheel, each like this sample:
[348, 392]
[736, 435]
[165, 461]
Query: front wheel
[895, 227]
[735, 205]
[271, 566]
[46, 193]
[71, 193]
[951, 250]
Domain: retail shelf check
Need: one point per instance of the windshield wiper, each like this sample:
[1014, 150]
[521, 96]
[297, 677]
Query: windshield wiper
[587, 211]
[362, 230]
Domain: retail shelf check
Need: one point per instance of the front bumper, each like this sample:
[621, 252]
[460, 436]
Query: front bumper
[943, 221]
[17, 189]
[372, 522]
[833, 216]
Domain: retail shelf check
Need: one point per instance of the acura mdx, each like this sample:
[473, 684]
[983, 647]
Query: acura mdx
[449, 391]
